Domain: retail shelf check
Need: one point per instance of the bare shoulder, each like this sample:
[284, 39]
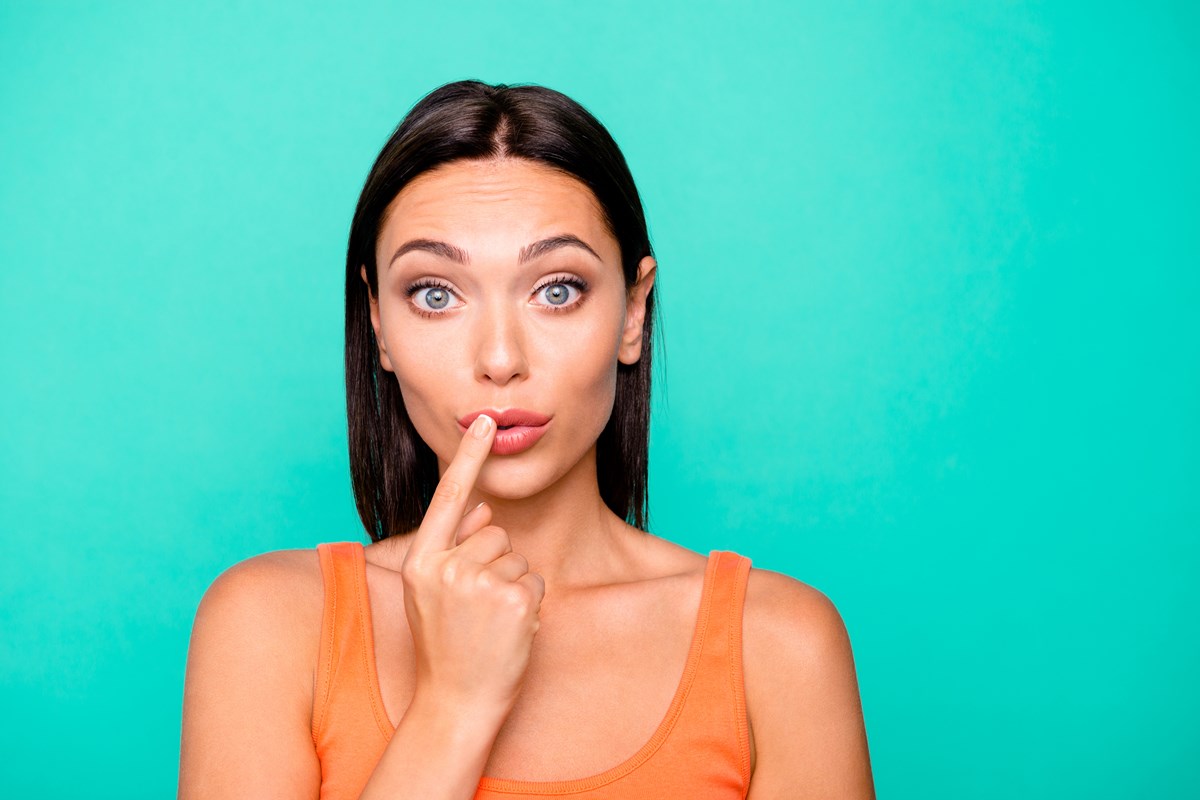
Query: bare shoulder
[276, 575]
[785, 616]
[274, 599]
[247, 709]
[278, 593]
[802, 694]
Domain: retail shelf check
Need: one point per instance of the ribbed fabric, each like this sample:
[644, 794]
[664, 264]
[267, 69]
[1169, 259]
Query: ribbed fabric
[700, 749]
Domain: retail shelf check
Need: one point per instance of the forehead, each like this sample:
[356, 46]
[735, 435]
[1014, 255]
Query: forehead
[496, 205]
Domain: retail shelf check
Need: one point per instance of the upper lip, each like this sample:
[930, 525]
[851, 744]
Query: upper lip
[508, 418]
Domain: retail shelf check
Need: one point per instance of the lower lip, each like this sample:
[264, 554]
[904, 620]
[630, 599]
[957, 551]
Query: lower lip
[517, 439]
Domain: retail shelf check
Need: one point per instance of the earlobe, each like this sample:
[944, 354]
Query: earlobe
[384, 361]
[635, 312]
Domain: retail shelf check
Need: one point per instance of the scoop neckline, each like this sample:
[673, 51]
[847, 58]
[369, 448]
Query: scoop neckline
[571, 784]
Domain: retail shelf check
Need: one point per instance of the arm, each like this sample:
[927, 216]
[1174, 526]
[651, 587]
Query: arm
[436, 752]
[247, 700]
[802, 695]
[247, 708]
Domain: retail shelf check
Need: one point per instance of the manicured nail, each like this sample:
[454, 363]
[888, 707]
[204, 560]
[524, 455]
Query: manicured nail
[481, 426]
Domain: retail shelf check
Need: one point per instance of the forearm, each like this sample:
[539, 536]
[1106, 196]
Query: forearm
[438, 752]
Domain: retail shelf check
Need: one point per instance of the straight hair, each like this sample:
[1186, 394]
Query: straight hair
[393, 472]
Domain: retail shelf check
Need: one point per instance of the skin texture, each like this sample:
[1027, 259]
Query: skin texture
[584, 703]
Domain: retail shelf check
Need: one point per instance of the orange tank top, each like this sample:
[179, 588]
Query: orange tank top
[700, 749]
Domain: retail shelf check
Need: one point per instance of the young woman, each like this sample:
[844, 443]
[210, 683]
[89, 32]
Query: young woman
[511, 630]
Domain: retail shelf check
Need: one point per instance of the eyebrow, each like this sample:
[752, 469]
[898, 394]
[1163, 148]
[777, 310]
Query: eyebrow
[543, 246]
[430, 246]
[528, 253]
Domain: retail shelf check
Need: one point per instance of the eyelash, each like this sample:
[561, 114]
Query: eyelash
[434, 283]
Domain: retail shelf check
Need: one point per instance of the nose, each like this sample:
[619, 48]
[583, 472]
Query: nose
[498, 341]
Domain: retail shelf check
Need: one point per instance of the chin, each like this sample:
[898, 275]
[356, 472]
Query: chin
[504, 477]
[525, 475]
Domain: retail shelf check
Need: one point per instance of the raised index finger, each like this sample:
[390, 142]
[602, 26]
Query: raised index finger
[450, 497]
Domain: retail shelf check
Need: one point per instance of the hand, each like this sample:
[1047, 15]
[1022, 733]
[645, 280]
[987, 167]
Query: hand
[472, 602]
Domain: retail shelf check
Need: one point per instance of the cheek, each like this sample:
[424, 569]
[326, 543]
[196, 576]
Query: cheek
[428, 381]
[584, 376]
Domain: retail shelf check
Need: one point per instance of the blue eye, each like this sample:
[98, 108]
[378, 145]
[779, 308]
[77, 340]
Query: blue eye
[438, 296]
[558, 292]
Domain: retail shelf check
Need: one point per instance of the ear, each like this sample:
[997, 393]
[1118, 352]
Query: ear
[635, 312]
[384, 360]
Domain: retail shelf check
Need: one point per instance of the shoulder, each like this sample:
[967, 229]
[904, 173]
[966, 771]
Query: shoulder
[272, 580]
[796, 649]
[786, 617]
[802, 696]
[249, 682]
[271, 601]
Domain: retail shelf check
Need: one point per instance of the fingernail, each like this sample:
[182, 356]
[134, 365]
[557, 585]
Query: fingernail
[481, 426]
[476, 508]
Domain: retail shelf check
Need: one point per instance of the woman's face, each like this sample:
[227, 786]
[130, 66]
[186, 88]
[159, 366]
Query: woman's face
[500, 287]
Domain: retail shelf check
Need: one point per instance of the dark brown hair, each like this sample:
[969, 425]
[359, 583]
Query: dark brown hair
[393, 471]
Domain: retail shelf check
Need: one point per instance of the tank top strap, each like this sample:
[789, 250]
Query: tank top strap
[723, 638]
[345, 665]
[715, 709]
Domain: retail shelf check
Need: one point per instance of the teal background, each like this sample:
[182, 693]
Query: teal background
[929, 285]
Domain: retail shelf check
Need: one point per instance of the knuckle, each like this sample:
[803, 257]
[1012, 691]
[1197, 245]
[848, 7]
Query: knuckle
[413, 568]
[448, 491]
[449, 572]
[517, 598]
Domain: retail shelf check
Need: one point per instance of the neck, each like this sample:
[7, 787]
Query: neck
[566, 532]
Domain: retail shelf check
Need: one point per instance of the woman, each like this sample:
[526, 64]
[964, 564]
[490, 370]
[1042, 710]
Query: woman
[508, 632]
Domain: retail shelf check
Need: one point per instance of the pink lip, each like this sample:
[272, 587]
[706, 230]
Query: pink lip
[521, 428]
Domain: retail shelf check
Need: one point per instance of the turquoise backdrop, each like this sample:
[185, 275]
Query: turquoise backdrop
[929, 282]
